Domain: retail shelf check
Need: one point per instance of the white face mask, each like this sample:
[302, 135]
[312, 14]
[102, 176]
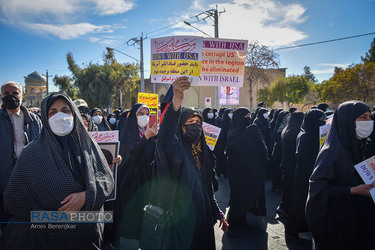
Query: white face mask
[142, 120]
[112, 120]
[97, 119]
[265, 115]
[230, 115]
[363, 129]
[287, 118]
[216, 114]
[210, 115]
[61, 124]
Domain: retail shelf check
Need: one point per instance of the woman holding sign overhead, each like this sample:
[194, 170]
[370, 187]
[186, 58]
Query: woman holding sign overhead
[339, 208]
[182, 150]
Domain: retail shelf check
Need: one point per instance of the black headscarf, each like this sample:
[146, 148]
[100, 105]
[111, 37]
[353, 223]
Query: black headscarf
[41, 179]
[331, 211]
[206, 119]
[323, 106]
[130, 132]
[90, 122]
[247, 159]
[261, 122]
[104, 125]
[112, 126]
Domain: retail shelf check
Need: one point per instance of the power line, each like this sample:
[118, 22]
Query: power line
[327, 41]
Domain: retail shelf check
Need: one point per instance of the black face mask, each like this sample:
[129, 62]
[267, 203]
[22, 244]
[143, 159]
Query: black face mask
[247, 121]
[193, 132]
[321, 123]
[11, 102]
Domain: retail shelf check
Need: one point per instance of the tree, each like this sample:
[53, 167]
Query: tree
[98, 84]
[309, 75]
[259, 57]
[370, 55]
[355, 82]
[65, 84]
[291, 89]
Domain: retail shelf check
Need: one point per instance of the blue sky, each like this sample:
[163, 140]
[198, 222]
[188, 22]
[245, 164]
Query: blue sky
[37, 35]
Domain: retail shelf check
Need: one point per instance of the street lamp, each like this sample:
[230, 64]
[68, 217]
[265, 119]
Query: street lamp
[189, 24]
[109, 49]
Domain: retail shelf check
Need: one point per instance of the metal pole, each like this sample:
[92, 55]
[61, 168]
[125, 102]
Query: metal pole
[142, 70]
[216, 18]
[47, 80]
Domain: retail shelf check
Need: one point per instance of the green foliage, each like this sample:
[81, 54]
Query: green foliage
[65, 84]
[370, 55]
[309, 75]
[98, 84]
[290, 89]
[356, 82]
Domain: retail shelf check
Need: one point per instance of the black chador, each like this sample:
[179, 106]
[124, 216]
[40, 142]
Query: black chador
[306, 153]
[337, 218]
[246, 169]
[288, 159]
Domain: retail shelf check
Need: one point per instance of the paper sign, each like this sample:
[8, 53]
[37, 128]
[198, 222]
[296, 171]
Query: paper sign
[323, 130]
[211, 134]
[229, 95]
[109, 144]
[366, 170]
[175, 56]
[223, 62]
[151, 100]
[105, 136]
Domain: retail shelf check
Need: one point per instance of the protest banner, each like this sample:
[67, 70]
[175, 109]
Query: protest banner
[151, 100]
[366, 169]
[175, 56]
[229, 95]
[223, 62]
[109, 143]
[323, 130]
[211, 134]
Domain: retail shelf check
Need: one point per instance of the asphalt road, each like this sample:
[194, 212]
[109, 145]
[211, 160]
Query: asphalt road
[261, 233]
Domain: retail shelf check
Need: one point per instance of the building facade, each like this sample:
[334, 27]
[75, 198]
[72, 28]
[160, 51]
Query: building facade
[35, 89]
[196, 96]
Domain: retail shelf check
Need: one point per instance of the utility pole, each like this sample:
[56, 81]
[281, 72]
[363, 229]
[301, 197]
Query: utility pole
[213, 14]
[139, 41]
[47, 81]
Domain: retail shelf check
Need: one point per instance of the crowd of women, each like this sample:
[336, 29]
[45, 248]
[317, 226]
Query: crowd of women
[64, 170]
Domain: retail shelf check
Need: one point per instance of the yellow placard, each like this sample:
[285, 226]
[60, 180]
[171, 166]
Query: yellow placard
[151, 100]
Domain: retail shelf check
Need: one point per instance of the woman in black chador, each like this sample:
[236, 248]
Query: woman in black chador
[61, 170]
[288, 159]
[282, 120]
[181, 148]
[220, 153]
[305, 155]
[339, 209]
[209, 116]
[247, 155]
[261, 121]
[99, 120]
[137, 147]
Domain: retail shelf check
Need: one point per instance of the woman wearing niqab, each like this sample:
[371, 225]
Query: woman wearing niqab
[182, 152]
[339, 209]
[305, 152]
[288, 159]
[247, 158]
[63, 169]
